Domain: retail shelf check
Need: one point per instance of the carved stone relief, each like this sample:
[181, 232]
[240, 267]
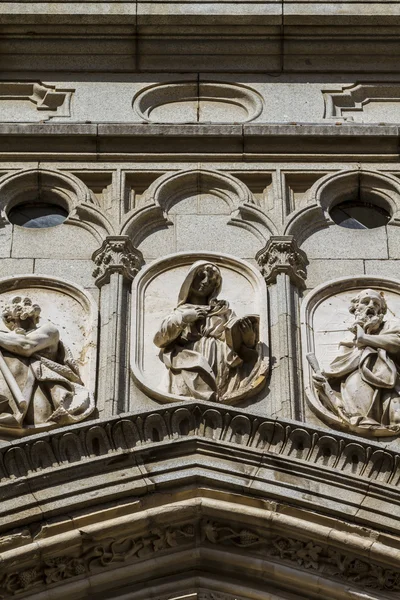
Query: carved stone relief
[97, 554]
[47, 355]
[33, 101]
[364, 102]
[200, 329]
[194, 102]
[282, 255]
[351, 331]
[116, 255]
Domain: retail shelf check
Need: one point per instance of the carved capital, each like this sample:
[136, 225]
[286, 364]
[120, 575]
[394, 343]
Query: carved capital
[282, 255]
[117, 254]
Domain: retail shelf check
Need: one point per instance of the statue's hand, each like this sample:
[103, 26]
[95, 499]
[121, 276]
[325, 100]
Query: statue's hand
[248, 334]
[190, 315]
[319, 381]
[360, 337]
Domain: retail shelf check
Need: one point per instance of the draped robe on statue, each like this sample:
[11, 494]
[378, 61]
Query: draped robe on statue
[369, 380]
[206, 359]
[50, 385]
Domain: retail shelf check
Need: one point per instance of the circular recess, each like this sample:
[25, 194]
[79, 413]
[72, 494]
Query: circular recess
[359, 215]
[37, 215]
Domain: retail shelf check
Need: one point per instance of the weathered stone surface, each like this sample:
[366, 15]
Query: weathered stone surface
[226, 132]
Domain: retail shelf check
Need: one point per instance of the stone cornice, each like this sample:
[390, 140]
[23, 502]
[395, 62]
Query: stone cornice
[325, 471]
[150, 141]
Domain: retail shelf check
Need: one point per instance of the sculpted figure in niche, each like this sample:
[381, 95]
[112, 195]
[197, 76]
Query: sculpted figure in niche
[209, 352]
[362, 385]
[40, 386]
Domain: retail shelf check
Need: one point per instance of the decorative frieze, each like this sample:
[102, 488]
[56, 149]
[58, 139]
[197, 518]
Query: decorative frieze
[282, 255]
[95, 555]
[117, 254]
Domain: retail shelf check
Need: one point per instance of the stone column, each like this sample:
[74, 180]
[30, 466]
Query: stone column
[283, 266]
[117, 262]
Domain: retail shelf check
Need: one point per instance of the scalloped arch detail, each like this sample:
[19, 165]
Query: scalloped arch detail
[59, 187]
[170, 189]
[336, 187]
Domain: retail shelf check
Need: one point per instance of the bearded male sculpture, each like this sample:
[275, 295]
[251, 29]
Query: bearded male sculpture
[362, 384]
[210, 353]
[40, 385]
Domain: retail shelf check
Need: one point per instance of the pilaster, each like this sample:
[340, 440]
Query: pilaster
[283, 265]
[117, 262]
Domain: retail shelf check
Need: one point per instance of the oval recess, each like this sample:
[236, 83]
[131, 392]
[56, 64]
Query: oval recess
[191, 102]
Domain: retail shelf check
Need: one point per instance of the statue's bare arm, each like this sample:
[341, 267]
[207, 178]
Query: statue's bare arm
[46, 336]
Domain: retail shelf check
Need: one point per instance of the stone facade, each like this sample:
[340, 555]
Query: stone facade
[199, 300]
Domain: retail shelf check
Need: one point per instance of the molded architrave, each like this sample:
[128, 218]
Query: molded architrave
[169, 189]
[249, 544]
[336, 187]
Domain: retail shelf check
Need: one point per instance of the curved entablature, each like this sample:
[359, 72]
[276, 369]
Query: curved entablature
[307, 547]
[212, 194]
[327, 461]
[365, 185]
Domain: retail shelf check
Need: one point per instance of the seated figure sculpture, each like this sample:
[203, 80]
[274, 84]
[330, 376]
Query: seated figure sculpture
[362, 384]
[209, 352]
[40, 386]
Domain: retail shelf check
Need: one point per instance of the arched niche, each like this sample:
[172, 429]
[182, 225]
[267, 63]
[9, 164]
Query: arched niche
[198, 210]
[73, 311]
[325, 323]
[155, 295]
[77, 237]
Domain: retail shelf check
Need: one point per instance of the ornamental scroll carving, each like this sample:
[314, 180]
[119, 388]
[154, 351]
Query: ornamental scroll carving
[45, 356]
[355, 380]
[200, 329]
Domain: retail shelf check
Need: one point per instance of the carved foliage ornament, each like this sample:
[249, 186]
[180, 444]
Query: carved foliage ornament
[96, 555]
[117, 254]
[281, 255]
